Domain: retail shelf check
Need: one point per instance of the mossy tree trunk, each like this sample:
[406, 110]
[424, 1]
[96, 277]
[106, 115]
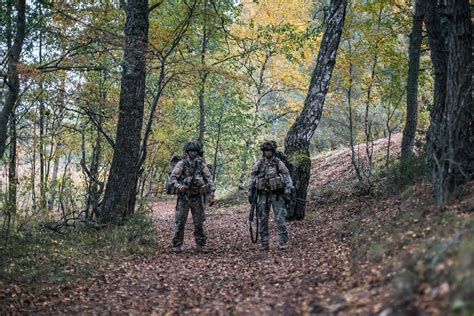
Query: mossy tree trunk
[299, 136]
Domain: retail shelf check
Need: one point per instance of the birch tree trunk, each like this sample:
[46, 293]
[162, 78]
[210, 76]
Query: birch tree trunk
[299, 136]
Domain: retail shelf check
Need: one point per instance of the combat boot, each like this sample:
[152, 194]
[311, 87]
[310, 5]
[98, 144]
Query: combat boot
[283, 246]
[178, 249]
[202, 249]
[265, 247]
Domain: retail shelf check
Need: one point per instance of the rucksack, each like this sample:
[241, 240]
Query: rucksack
[171, 189]
[281, 155]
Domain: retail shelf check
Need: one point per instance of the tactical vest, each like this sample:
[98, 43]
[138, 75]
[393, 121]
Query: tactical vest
[269, 177]
[193, 177]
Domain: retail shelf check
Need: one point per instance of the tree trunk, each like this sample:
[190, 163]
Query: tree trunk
[13, 80]
[97, 186]
[299, 136]
[368, 121]
[33, 170]
[450, 139]
[12, 162]
[119, 199]
[352, 126]
[218, 141]
[203, 78]
[414, 49]
[12, 175]
[42, 201]
[43, 179]
[53, 190]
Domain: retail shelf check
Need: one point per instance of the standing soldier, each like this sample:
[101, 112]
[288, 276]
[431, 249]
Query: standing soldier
[270, 184]
[193, 181]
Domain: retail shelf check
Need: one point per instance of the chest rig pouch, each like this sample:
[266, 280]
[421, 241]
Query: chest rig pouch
[194, 178]
[269, 178]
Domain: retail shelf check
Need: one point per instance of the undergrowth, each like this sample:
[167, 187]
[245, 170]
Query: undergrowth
[38, 260]
[427, 252]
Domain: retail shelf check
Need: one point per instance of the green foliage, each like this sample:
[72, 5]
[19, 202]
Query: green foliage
[401, 174]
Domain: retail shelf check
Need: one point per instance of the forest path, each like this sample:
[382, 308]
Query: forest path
[312, 276]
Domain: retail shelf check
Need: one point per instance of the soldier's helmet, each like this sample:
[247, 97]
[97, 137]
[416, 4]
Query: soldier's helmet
[269, 145]
[191, 146]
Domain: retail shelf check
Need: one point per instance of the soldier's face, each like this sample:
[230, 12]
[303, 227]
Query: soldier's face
[268, 153]
[192, 154]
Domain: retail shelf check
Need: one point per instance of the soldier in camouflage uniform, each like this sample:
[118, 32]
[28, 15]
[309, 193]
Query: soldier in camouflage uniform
[192, 179]
[271, 181]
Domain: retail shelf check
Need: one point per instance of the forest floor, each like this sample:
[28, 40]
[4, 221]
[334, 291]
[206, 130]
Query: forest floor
[352, 254]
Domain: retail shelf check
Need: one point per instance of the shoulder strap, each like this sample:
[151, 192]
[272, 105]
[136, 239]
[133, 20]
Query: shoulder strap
[277, 162]
[260, 164]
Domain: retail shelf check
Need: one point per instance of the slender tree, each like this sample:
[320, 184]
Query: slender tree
[203, 73]
[414, 49]
[12, 78]
[119, 199]
[299, 136]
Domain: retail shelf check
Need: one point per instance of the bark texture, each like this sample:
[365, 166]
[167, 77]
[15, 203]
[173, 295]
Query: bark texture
[450, 139]
[119, 199]
[299, 136]
[409, 132]
[13, 80]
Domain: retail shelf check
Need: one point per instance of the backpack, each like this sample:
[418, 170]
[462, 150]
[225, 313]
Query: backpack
[281, 155]
[170, 189]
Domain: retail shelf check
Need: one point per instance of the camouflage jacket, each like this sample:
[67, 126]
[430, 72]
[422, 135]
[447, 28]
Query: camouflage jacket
[260, 167]
[184, 171]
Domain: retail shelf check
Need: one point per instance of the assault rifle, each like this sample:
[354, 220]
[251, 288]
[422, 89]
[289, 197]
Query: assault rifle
[253, 209]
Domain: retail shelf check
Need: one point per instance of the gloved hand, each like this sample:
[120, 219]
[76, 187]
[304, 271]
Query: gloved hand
[211, 200]
[182, 188]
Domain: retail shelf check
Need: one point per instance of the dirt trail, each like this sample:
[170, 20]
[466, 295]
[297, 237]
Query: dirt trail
[235, 277]
[314, 276]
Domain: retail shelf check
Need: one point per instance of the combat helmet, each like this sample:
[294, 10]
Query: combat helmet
[269, 145]
[192, 146]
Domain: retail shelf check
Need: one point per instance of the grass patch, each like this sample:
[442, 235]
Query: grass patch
[402, 174]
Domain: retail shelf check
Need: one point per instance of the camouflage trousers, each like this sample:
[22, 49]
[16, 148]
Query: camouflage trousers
[196, 204]
[265, 201]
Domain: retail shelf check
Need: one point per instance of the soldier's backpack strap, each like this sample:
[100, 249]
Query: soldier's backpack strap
[260, 164]
[277, 162]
